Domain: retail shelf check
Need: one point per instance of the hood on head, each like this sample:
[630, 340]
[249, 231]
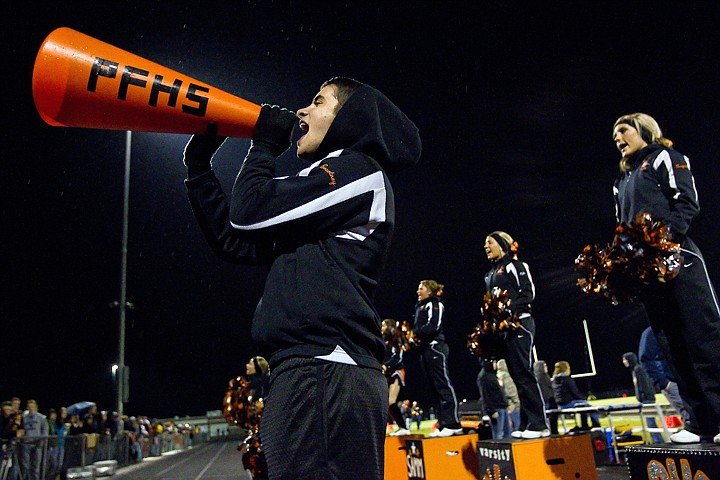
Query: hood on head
[631, 358]
[486, 365]
[370, 123]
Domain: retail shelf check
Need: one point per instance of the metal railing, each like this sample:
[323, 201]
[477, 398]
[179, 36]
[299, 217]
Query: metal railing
[44, 458]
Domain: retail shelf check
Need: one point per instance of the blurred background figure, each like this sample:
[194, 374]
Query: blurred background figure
[644, 388]
[258, 374]
[511, 393]
[416, 414]
[654, 363]
[493, 398]
[36, 432]
[540, 369]
[11, 428]
[567, 395]
[394, 370]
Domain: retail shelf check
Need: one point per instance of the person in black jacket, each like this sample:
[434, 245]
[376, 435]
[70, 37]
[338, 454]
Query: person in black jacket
[683, 312]
[513, 276]
[323, 234]
[644, 388]
[11, 428]
[434, 354]
[493, 398]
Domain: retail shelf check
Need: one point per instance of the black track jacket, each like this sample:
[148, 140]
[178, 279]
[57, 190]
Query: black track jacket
[514, 276]
[323, 233]
[660, 182]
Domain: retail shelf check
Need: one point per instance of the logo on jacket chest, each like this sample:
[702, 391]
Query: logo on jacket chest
[324, 167]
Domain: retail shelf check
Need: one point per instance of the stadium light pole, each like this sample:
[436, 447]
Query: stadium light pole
[122, 304]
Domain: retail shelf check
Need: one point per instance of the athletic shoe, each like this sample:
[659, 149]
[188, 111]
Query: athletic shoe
[446, 432]
[686, 436]
[400, 432]
[716, 439]
[517, 434]
[531, 434]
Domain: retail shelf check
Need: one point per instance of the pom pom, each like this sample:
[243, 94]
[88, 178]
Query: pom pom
[496, 318]
[642, 253]
[490, 347]
[240, 408]
[253, 458]
[399, 336]
[409, 338]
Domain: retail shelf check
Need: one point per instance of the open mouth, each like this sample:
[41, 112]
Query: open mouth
[304, 127]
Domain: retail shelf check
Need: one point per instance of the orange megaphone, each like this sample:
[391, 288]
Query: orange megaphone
[79, 81]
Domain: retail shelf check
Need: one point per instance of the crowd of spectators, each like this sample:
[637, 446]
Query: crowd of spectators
[412, 414]
[43, 446]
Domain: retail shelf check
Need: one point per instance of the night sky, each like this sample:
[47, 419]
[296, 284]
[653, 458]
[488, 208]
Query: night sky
[514, 104]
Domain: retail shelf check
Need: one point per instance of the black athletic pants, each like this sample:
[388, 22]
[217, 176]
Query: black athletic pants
[685, 317]
[324, 421]
[518, 357]
[434, 362]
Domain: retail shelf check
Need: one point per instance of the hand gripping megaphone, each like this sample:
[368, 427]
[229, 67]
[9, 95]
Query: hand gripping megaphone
[79, 81]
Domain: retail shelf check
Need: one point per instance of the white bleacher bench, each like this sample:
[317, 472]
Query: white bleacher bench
[642, 409]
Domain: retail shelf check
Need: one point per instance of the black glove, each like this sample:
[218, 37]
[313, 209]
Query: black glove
[273, 130]
[200, 150]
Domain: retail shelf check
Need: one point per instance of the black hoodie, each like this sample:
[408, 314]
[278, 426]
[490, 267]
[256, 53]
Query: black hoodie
[323, 233]
[644, 388]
